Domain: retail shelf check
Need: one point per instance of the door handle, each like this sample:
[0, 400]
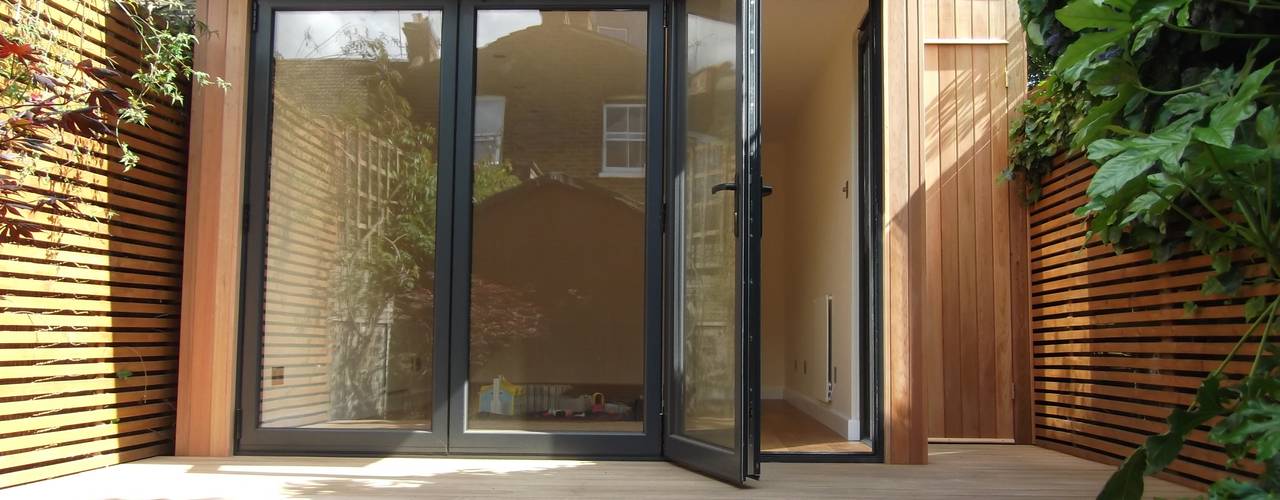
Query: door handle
[766, 190]
[724, 186]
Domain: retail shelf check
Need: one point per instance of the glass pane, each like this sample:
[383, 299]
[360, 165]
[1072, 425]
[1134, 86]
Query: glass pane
[615, 154]
[635, 119]
[557, 284]
[350, 274]
[707, 247]
[636, 153]
[615, 118]
[490, 118]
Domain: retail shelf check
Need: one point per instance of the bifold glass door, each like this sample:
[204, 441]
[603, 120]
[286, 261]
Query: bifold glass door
[455, 228]
[455, 237]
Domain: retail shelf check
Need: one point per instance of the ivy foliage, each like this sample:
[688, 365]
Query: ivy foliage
[1044, 126]
[1177, 102]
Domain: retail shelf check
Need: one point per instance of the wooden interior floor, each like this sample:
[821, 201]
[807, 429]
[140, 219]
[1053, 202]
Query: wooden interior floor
[954, 471]
[786, 429]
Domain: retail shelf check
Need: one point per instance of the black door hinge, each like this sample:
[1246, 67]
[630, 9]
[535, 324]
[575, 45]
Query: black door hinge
[663, 215]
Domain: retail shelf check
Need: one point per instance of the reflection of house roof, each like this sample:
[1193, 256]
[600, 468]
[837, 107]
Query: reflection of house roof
[596, 37]
[558, 180]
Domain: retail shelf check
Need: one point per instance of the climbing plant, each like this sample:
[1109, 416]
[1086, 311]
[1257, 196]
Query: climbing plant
[1045, 124]
[58, 107]
[1177, 102]
[1054, 105]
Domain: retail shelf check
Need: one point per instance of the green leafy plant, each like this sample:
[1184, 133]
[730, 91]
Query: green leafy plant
[1046, 36]
[168, 33]
[1044, 125]
[1043, 130]
[1177, 102]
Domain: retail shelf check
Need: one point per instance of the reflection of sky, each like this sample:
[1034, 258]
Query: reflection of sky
[711, 42]
[324, 34]
[494, 24]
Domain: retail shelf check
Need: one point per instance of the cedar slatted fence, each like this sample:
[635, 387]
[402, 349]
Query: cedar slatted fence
[1114, 349]
[89, 311]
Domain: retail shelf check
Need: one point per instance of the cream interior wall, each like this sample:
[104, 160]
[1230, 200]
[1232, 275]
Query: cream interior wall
[810, 237]
[773, 264]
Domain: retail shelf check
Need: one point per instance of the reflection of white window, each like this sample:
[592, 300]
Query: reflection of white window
[490, 115]
[624, 142]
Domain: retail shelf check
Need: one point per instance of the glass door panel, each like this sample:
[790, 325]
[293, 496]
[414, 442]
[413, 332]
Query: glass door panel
[350, 268]
[562, 237]
[558, 222]
[715, 192]
[341, 280]
[707, 256]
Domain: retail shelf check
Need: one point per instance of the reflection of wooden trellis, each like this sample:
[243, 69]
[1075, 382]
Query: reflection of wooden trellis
[709, 285]
[369, 176]
[370, 168]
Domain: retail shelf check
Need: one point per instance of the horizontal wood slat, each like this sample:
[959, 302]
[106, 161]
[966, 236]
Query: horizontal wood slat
[1113, 349]
[89, 310]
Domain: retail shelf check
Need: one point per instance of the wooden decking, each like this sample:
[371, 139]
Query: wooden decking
[955, 471]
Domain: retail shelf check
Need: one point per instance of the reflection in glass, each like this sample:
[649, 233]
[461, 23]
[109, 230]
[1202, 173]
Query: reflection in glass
[706, 255]
[350, 276]
[557, 283]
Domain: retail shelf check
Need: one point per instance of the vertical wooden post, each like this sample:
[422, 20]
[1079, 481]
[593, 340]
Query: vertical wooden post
[211, 260]
[904, 257]
[1024, 387]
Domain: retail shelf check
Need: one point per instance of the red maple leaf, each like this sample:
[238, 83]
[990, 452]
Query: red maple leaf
[22, 51]
[109, 101]
[97, 72]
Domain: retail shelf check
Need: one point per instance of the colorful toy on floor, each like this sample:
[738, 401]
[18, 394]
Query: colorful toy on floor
[502, 397]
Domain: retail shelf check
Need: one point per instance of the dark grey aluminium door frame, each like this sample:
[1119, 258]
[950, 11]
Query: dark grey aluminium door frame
[251, 439]
[741, 461]
[646, 444]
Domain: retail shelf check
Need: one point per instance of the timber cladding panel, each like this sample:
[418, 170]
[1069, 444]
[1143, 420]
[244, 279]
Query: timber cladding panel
[89, 310]
[973, 74]
[1114, 350]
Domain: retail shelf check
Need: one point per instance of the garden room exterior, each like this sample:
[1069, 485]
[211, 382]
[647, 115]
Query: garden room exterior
[706, 248]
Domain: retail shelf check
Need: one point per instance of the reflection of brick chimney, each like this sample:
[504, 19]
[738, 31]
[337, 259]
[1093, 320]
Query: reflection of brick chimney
[576, 18]
[421, 43]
